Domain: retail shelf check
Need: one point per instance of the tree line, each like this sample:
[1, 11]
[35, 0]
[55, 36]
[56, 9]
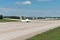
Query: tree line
[24, 17]
[11, 17]
[19, 17]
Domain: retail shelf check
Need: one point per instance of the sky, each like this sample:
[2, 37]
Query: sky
[41, 8]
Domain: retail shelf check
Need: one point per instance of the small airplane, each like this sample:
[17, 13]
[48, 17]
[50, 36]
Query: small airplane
[26, 20]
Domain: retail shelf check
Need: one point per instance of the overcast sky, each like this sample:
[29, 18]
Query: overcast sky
[30, 8]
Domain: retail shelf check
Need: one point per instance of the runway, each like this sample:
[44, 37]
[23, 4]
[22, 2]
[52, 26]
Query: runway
[22, 31]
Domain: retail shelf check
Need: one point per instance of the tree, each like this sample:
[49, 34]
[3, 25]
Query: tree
[1, 16]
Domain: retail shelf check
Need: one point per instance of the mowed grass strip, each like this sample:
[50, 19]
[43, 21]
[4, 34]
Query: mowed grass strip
[53, 34]
[2, 20]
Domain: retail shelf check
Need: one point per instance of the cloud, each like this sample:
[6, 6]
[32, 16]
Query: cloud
[20, 12]
[24, 2]
[44, 0]
[25, 10]
[18, 2]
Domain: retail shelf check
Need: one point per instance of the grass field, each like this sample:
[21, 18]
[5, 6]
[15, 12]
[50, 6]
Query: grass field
[53, 34]
[2, 20]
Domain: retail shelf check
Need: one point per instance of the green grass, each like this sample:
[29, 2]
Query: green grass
[2, 20]
[49, 35]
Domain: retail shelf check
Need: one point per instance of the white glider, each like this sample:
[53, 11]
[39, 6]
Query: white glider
[26, 20]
